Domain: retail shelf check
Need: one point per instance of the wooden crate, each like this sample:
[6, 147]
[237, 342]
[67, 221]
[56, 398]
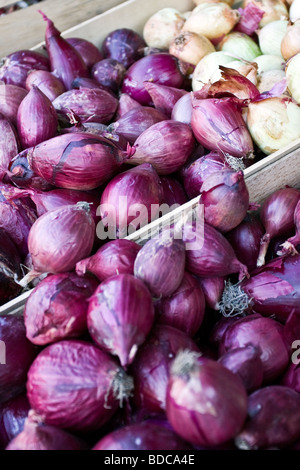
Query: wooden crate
[273, 172]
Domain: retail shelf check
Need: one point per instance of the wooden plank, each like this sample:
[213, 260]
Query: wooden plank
[4, 3]
[25, 28]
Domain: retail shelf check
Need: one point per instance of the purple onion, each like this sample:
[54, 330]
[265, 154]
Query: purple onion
[132, 124]
[291, 377]
[70, 373]
[213, 289]
[151, 367]
[167, 145]
[246, 363]
[142, 188]
[109, 73]
[158, 68]
[38, 436]
[115, 257]
[37, 119]
[87, 50]
[93, 105]
[160, 265]
[265, 334]
[120, 316]
[273, 419]
[126, 103]
[11, 97]
[50, 85]
[250, 17]
[182, 109]
[200, 405]
[164, 97]
[12, 418]
[124, 45]
[19, 64]
[185, 308]
[245, 240]
[142, 436]
[57, 308]
[289, 246]
[173, 191]
[10, 268]
[17, 354]
[8, 145]
[23, 176]
[84, 82]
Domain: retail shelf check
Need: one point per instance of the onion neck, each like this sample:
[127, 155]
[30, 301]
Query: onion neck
[184, 363]
[264, 245]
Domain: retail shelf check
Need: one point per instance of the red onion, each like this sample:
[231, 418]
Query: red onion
[246, 363]
[185, 308]
[59, 239]
[38, 436]
[245, 240]
[291, 377]
[17, 354]
[115, 257]
[134, 122]
[57, 308]
[152, 365]
[160, 265]
[11, 97]
[250, 18]
[196, 173]
[120, 316]
[109, 73]
[264, 333]
[142, 436]
[164, 97]
[37, 119]
[84, 82]
[87, 50]
[87, 104]
[166, 145]
[159, 68]
[206, 403]
[76, 375]
[9, 268]
[290, 245]
[126, 103]
[218, 125]
[22, 175]
[213, 289]
[124, 45]
[76, 161]
[277, 216]
[225, 198]
[208, 253]
[273, 419]
[66, 63]
[182, 109]
[18, 65]
[8, 145]
[173, 191]
[50, 85]
[12, 418]
[131, 199]
[16, 218]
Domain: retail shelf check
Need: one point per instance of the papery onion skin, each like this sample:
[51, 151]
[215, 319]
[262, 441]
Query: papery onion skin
[17, 354]
[11, 97]
[159, 146]
[120, 316]
[273, 419]
[142, 436]
[160, 68]
[151, 367]
[57, 308]
[273, 10]
[124, 45]
[60, 238]
[50, 85]
[12, 418]
[185, 308]
[115, 257]
[207, 69]
[250, 18]
[200, 405]
[87, 50]
[19, 64]
[67, 374]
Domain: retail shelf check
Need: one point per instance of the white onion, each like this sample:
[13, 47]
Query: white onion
[241, 45]
[270, 37]
[162, 27]
[273, 123]
[295, 11]
[292, 72]
[208, 69]
[268, 62]
[290, 44]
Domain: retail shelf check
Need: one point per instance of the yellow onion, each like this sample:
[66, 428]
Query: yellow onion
[273, 123]
[271, 35]
[162, 27]
[268, 79]
[266, 62]
[207, 70]
[212, 20]
[241, 45]
[190, 47]
[290, 44]
[295, 11]
[273, 10]
[292, 72]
